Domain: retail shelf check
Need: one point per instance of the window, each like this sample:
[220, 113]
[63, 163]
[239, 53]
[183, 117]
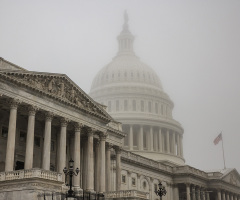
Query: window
[4, 131]
[125, 105]
[149, 106]
[155, 187]
[109, 106]
[134, 107]
[133, 181]
[52, 145]
[156, 108]
[123, 179]
[162, 109]
[142, 106]
[144, 185]
[22, 137]
[117, 105]
[37, 141]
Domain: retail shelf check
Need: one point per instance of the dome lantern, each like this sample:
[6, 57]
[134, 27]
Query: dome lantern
[125, 39]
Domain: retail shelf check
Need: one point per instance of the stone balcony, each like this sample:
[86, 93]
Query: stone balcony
[29, 184]
[126, 194]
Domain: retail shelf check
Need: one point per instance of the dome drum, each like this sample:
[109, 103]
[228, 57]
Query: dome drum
[134, 95]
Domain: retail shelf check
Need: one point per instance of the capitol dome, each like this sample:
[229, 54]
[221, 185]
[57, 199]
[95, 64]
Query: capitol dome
[133, 94]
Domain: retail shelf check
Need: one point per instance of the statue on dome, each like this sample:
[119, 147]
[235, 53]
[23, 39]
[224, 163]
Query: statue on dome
[125, 17]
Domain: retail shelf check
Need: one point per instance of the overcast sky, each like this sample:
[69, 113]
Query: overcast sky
[194, 47]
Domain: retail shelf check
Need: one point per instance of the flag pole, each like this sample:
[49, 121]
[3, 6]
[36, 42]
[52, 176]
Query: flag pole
[223, 153]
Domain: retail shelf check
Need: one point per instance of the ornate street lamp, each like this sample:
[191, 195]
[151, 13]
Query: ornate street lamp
[70, 172]
[161, 191]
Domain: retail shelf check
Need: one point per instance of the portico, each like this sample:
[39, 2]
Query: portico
[42, 132]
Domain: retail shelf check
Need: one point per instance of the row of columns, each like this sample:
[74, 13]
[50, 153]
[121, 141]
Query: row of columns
[163, 142]
[196, 193]
[199, 193]
[225, 195]
[88, 159]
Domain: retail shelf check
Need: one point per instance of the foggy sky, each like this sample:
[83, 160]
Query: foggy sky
[193, 46]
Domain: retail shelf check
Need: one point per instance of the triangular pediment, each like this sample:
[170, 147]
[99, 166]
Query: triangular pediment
[232, 177]
[59, 87]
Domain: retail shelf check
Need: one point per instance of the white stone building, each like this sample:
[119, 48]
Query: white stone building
[46, 119]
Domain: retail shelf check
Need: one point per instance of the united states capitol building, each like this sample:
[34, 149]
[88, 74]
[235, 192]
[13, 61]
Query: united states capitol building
[122, 136]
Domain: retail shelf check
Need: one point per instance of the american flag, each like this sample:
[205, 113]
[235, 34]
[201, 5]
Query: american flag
[217, 139]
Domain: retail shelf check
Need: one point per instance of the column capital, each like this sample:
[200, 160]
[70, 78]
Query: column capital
[64, 122]
[32, 110]
[14, 103]
[49, 116]
[118, 149]
[102, 136]
[129, 172]
[109, 146]
[78, 126]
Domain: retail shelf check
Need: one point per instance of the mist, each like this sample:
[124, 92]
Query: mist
[193, 46]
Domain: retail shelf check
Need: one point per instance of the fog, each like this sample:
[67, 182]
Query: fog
[193, 46]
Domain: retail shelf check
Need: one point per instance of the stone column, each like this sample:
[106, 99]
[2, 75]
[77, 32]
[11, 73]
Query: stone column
[47, 142]
[168, 142]
[108, 167]
[219, 195]
[96, 165]
[188, 191]
[77, 154]
[181, 146]
[175, 192]
[9, 164]
[160, 140]
[140, 142]
[223, 195]
[193, 193]
[227, 196]
[155, 142]
[130, 138]
[90, 173]
[203, 195]
[102, 163]
[129, 179]
[85, 163]
[178, 145]
[231, 196]
[207, 196]
[62, 147]
[198, 193]
[174, 143]
[151, 139]
[28, 164]
[118, 168]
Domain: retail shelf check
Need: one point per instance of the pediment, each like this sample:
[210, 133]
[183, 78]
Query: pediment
[59, 87]
[232, 177]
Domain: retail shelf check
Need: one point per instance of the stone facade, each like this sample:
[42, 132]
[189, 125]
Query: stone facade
[46, 119]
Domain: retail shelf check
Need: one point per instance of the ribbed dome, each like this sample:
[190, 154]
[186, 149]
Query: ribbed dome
[126, 68]
[134, 96]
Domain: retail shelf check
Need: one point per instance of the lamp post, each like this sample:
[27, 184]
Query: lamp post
[70, 172]
[161, 191]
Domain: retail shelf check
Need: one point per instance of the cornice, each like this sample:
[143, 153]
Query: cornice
[58, 87]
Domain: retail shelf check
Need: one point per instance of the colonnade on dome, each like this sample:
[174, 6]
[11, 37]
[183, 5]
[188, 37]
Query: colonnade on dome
[153, 139]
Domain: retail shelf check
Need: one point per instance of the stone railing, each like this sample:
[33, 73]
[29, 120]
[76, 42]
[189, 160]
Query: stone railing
[30, 173]
[142, 160]
[133, 194]
[187, 169]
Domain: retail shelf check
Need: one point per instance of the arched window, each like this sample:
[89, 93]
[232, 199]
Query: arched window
[117, 105]
[134, 106]
[142, 106]
[125, 105]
